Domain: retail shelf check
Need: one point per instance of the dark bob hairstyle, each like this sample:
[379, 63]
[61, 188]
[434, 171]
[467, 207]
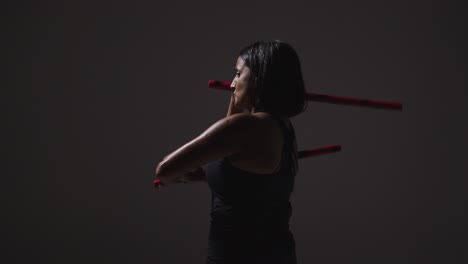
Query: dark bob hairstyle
[279, 88]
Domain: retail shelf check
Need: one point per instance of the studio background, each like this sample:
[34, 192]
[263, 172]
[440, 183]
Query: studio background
[97, 93]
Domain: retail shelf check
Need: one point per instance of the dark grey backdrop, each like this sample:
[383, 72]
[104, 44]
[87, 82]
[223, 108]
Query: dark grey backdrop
[99, 92]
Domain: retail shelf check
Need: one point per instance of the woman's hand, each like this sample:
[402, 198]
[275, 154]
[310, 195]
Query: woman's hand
[196, 175]
[232, 109]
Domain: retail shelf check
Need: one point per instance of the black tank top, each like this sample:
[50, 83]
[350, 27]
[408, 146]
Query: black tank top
[251, 207]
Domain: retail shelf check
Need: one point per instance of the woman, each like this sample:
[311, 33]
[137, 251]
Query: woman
[250, 159]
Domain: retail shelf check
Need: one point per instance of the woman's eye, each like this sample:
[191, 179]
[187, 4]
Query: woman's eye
[238, 73]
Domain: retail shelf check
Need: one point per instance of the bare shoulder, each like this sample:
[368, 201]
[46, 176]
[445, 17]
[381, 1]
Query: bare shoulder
[263, 153]
[242, 130]
[268, 122]
[259, 129]
[233, 124]
[261, 124]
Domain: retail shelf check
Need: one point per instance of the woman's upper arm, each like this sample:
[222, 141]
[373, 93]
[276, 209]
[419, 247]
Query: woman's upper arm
[228, 136]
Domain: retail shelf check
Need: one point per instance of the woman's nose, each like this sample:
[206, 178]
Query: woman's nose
[233, 84]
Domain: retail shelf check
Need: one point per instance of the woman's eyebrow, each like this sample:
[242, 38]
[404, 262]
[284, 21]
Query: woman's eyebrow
[235, 68]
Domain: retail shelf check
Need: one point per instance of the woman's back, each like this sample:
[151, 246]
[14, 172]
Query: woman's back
[264, 156]
[250, 211]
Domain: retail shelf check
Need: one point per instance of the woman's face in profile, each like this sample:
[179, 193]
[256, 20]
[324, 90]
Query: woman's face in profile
[242, 85]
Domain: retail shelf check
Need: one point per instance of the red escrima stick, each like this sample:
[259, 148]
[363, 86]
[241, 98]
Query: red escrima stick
[222, 85]
[301, 154]
[318, 151]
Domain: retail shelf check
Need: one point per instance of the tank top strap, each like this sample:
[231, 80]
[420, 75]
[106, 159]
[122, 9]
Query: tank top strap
[286, 130]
